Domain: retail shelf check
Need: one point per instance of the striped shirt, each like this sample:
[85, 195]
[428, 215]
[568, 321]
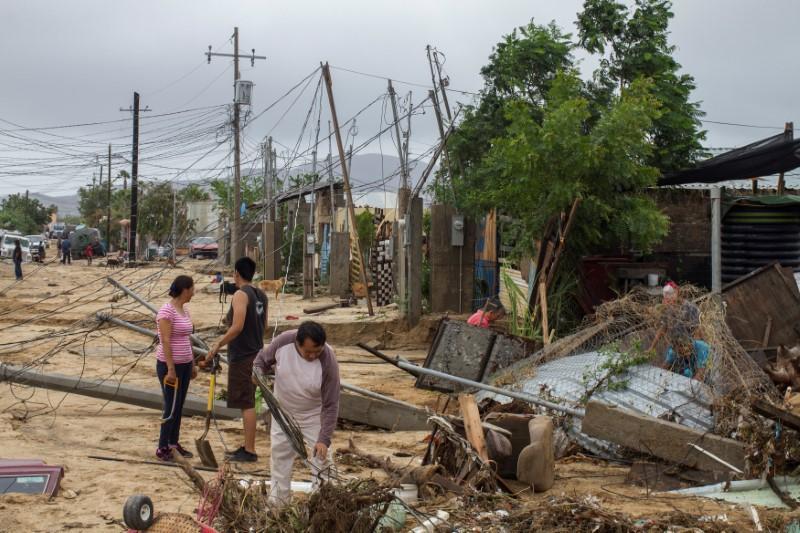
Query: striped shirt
[179, 339]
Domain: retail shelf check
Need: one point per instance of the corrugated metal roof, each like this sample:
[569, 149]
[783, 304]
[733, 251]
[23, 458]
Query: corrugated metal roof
[649, 390]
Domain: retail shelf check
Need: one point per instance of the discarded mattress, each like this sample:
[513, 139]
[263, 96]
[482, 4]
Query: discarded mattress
[648, 390]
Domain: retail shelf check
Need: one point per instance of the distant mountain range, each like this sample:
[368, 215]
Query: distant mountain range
[374, 179]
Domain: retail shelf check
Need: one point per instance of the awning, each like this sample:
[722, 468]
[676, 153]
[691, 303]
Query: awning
[766, 157]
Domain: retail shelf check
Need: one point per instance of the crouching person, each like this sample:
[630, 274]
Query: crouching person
[307, 388]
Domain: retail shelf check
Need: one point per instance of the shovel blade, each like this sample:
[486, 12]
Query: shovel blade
[206, 453]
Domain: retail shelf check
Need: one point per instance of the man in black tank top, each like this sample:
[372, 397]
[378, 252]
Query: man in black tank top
[247, 319]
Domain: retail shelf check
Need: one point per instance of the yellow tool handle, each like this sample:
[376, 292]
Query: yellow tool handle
[211, 391]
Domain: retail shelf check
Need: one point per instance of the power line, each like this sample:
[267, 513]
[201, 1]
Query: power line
[411, 83]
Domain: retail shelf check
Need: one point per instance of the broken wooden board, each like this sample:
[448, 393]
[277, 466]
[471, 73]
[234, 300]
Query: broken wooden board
[767, 410]
[472, 424]
[660, 438]
[752, 300]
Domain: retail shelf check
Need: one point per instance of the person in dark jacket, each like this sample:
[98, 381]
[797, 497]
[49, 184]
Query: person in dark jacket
[66, 252]
[16, 257]
[247, 319]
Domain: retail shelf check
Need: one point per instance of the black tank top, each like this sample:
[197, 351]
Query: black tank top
[251, 339]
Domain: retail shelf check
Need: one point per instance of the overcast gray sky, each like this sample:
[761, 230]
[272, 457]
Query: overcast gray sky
[79, 61]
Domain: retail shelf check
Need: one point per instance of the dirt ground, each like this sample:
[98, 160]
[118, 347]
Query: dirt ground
[48, 321]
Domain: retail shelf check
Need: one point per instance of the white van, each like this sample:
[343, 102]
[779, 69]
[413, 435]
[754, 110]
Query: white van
[7, 246]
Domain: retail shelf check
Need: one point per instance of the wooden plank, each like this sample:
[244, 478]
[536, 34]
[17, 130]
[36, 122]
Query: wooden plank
[767, 331]
[660, 438]
[543, 306]
[339, 263]
[768, 410]
[473, 426]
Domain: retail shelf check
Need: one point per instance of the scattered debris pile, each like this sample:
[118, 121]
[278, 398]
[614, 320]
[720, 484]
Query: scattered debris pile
[676, 362]
[356, 506]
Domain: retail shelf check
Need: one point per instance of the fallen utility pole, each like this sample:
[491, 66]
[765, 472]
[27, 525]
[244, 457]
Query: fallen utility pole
[326, 73]
[105, 317]
[110, 390]
[434, 157]
[415, 370]
[363, 406]
[196, 340]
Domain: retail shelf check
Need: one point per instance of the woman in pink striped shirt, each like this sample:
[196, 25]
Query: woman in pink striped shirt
[175, 366]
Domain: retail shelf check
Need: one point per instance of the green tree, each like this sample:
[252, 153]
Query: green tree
[251, 188]
[92, 204]
[156, 213]
[538, 168]
[634, 44]
[24, 214]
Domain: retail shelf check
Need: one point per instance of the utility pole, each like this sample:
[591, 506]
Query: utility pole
[330, 178]
[348, 192]
[108, 200]
[134, 110]
[237, 193]
[442, 84]
[404, 191]
[134, 181]
[435, 99]
[311, 234]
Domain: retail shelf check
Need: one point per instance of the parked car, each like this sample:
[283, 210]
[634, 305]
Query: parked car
[203, 247]
[7, 246]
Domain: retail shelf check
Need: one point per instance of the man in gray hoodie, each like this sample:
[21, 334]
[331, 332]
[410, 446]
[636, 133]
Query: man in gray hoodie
[307, 387]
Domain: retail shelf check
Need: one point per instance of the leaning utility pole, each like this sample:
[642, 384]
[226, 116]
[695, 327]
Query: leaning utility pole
[403, 192]
[442, 85]
[108, 212]
[348, 192]
[134, 181]
[237, 193]
[435, 99]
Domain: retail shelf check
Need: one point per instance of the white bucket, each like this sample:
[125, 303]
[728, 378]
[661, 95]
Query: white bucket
[652, 280]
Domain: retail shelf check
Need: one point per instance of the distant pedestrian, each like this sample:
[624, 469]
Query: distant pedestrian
[17, 258]
[89, 253]
[58, 248]
[175, 364]
[66, 252]
[41, 251]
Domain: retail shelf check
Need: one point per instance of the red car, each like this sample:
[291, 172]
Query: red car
[203, 247]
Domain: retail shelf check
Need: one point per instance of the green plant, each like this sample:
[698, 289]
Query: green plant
[612, 373]
[520, 320]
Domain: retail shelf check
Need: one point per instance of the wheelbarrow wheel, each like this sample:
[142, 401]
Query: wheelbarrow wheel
[138, 512]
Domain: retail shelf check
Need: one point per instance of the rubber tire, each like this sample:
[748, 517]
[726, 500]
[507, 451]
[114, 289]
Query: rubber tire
[138, 512]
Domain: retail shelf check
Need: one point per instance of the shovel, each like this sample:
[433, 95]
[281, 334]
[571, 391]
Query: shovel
[203, 446]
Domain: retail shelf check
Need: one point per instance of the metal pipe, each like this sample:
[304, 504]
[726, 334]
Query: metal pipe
[195, 339]
[416, 369]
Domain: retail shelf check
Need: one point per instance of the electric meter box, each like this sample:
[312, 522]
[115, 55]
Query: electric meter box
[244, 92]
[457, 231]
